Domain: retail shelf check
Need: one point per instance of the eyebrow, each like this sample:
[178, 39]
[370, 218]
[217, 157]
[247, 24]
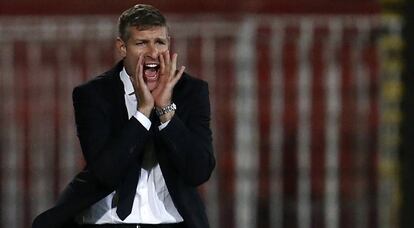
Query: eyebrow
[157, 38]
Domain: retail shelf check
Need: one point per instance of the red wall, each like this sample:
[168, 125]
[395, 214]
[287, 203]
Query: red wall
[71, 7]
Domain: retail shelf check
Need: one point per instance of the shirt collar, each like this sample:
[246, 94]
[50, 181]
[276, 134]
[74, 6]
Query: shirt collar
[128, 88]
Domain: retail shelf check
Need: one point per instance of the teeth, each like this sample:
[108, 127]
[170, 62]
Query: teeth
[151, 65]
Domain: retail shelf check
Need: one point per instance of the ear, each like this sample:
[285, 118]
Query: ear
[120, 46]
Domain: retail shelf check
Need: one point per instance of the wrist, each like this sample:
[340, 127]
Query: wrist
[167, 117]
[165, 109]
[145, 110]
[162, 105]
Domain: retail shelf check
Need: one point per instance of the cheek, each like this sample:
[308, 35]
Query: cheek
[132, 58]
[162, 49]
[133, 51]
[130, 65]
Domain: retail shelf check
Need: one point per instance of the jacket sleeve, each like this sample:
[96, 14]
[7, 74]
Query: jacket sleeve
[108, 154]
[189, 143]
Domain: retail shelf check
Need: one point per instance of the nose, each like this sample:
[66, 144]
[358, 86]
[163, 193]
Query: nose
[152, 52]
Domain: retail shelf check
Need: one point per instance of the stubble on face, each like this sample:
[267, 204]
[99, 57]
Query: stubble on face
[150, 43]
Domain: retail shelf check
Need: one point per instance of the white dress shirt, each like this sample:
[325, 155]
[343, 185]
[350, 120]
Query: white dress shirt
[152, 203]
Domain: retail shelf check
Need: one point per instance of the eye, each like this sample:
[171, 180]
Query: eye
[161, 42]
[140, 42]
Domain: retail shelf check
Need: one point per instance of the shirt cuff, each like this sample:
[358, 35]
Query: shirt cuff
[143, 120]
[163, 125]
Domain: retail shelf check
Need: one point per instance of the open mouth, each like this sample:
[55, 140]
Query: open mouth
[151, 71]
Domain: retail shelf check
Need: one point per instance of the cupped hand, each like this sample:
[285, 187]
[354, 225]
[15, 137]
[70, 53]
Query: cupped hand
[168, 78]
[143, 94]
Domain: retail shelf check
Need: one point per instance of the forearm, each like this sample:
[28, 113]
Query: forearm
[190, 152]
[109, 145]
[117, 154]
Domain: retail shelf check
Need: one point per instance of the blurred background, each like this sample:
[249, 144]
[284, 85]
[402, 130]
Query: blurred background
[312, 105]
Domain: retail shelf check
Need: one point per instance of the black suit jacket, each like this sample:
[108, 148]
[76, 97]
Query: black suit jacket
[112, 146]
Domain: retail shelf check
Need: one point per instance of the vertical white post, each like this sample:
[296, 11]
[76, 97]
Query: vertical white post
[246, 127]
[304, 124]
[12, 199]
[332, 124]
[276, 130]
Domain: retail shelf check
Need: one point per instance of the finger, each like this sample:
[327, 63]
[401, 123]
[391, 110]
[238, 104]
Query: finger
[138, 69]
[162, 63]
[167, 59]
[139, 74]
[173, 67]
[163, 77]
[134, 77]
[178, 75]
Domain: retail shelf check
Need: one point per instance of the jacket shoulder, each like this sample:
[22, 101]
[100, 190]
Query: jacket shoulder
[189, 90]
[188, 82]
[99, 85]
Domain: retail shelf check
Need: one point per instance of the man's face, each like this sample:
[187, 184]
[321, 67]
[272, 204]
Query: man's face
[150, 43]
